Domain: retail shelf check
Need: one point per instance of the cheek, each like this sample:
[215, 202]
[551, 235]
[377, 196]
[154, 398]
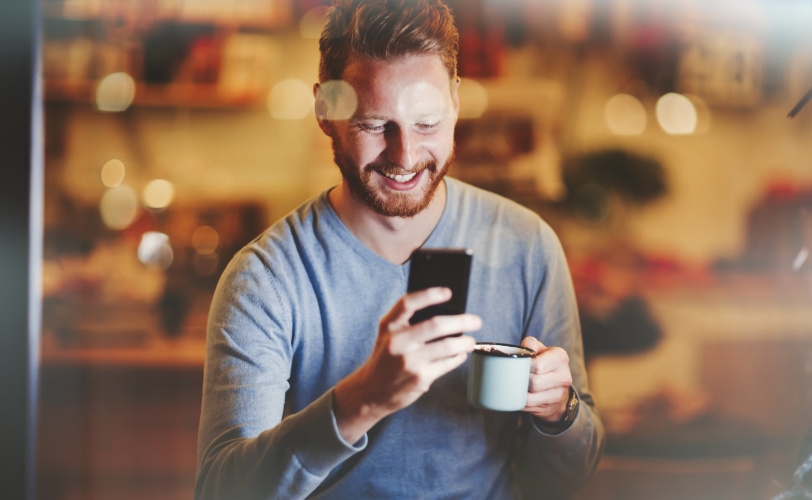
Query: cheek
[367, 148]
[441, 144]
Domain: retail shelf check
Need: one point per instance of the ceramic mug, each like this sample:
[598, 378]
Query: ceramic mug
[499, 376]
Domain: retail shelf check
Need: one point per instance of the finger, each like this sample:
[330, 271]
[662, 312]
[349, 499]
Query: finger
[398, 317]
[549, 360]
[550, 381]
[440, 367]
[532, 343]
[547, 398]
[440, 326]
[448, 347]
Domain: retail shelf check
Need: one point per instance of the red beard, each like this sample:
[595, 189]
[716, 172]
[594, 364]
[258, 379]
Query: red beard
[396, 204]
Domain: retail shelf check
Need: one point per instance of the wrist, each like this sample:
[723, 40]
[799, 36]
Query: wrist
[353, 410]
[564, 420]
[555, 417]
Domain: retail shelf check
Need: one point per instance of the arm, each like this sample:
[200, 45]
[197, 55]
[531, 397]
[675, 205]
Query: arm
[246, 449]
[561, 460]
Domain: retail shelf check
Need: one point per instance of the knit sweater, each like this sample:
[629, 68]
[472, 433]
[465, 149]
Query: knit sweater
[297, 310]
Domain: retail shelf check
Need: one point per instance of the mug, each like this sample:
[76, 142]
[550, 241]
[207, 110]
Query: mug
[499, 376]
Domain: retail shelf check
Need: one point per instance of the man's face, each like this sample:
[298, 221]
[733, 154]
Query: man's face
[397, 146]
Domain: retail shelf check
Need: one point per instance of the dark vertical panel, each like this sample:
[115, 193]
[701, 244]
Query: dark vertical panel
[20, 237]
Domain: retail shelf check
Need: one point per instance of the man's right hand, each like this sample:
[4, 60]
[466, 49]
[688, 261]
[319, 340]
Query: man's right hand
[403, 364]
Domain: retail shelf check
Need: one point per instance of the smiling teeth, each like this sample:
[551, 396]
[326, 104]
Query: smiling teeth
[401, 178]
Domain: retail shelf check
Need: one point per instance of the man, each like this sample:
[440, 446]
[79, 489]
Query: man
[316, 385]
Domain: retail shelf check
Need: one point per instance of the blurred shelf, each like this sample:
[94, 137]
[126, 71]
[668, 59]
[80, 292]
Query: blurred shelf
[267, 14]
[157, 353]
[172, 95]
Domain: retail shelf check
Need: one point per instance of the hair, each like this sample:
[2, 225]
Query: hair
[385, 29]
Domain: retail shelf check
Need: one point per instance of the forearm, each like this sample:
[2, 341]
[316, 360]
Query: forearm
[288, 461]
[566, 461]
[355, 414]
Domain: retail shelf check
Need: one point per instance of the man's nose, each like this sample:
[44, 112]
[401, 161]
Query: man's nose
[402, 148]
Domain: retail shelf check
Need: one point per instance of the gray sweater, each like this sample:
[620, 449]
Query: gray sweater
[297, 310]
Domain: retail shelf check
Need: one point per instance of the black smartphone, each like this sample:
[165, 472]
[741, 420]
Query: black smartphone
[448, 267]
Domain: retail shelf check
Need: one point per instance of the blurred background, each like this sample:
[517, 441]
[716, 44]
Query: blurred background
[652, 135]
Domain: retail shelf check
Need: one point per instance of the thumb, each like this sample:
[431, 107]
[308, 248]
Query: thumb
[533, 343]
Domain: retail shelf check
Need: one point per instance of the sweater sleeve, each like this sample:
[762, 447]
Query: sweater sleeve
[565, 461]
[246, 449]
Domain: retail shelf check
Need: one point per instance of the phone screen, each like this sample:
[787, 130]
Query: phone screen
[448, 267]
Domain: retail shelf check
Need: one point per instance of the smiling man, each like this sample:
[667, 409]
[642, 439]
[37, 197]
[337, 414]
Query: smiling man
[316, 384]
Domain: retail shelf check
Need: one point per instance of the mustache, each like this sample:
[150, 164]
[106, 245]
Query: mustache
[391, 169]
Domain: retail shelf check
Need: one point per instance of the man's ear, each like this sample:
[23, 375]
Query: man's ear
[325, 125]
[455, 95]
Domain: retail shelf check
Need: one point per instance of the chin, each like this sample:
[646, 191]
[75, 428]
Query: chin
[375, 195]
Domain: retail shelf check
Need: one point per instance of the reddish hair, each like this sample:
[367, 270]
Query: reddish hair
[385, 29]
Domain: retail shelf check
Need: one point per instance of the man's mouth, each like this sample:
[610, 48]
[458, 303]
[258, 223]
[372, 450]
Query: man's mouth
[399, 177]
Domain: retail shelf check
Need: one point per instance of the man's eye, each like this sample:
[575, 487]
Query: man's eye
[427, 126]
[372, 128]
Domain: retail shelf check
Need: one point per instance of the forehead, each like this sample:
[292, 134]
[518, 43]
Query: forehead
[417, 82]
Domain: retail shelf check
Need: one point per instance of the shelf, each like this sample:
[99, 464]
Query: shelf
[172, 95]
[267, 14]
[158, 353]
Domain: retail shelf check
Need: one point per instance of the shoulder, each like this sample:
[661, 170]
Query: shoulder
[275, 256]
[498, 214]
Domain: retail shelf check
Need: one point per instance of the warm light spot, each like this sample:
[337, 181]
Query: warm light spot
[625, 115]
[115, 92]
[337, 100]
[205, 240]
[676, 114]
[575, 19]
[112, 173]
[154, 250]
[158, 194]
[799, 260]
[119, 207]
[473, 99]
[290, 99]
[703, 114]
[313, 22]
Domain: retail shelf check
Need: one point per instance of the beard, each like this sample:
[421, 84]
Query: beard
[396, 204]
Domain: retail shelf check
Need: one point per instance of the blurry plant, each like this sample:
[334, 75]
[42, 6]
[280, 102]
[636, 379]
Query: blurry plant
[591, 179]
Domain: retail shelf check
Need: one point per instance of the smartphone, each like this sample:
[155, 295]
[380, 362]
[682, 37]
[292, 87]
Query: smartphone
[447, 267]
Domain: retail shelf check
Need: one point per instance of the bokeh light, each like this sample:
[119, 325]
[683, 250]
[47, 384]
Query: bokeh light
[339, 100]
[112, 173]
[703, 114]
[625, 115]
[676, 114]
[158, 193]
[119, 207]
[290, 99]
[205, 240]
[154, 250]
[313, 22]
[473, 98]
[115, 92]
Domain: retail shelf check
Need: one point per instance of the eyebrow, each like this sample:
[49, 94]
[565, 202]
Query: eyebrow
[440, 115]
[358, 118]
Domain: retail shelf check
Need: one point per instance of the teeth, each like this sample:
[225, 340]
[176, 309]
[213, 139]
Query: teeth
[401, 178]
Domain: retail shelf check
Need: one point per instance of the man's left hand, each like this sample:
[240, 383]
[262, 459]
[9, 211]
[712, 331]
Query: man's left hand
[550, 380]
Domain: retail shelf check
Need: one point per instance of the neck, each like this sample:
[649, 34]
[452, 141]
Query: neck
[393, 238]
